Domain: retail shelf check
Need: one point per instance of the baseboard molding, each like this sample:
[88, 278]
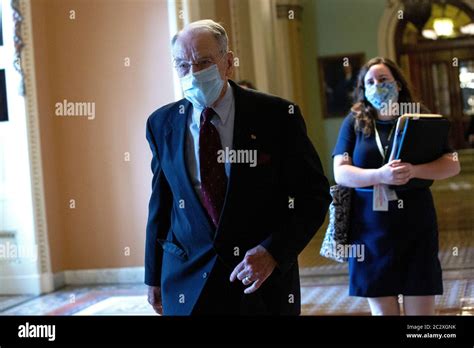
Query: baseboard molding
[38, 284]
[59, 280]
[35, 284]
[99, 276]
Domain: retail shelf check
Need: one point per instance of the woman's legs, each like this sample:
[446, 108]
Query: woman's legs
[419, 305]
[384, 305]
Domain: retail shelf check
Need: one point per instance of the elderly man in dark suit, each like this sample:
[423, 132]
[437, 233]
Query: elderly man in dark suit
[237, 192]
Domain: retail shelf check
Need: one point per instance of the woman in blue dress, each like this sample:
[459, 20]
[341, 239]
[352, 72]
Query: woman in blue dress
[400, 244]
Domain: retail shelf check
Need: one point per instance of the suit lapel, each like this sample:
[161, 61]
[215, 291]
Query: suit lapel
[241, 135]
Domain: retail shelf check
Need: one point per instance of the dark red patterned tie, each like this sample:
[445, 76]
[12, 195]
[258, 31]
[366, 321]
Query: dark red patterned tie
[213, 177]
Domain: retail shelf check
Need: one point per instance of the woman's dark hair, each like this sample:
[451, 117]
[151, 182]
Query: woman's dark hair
[364, 112]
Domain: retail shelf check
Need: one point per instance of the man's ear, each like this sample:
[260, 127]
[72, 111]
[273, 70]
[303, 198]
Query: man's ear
[230, 64]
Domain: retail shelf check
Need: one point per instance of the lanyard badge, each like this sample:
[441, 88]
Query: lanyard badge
[382, 193]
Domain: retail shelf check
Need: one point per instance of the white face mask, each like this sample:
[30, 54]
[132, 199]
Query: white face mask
[203, 87]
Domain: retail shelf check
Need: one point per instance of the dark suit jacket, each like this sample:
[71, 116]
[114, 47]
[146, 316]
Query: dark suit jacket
[181, 244]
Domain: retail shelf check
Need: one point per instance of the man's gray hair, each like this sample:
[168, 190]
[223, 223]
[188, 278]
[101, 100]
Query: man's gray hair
[207, 25]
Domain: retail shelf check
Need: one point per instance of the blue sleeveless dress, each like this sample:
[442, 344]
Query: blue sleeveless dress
[400, 246]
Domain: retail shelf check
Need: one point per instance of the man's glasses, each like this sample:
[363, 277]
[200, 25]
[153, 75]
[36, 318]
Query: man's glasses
[183, 68]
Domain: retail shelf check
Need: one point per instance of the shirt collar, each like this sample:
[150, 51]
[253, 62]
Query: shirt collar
[222, 108]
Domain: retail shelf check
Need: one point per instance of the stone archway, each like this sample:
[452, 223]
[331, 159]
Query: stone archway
[387, 27]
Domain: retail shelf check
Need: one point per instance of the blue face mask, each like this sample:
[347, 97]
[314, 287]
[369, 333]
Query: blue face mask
[381, 94]
[203, 87]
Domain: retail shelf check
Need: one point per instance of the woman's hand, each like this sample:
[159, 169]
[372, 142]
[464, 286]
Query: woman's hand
[396, 173]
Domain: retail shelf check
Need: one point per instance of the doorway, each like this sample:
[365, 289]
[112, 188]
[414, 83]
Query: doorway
[435, 48]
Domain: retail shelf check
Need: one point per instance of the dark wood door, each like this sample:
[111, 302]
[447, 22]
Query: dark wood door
[434, 69]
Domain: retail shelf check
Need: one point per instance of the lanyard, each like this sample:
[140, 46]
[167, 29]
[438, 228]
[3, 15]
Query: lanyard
[383, 151]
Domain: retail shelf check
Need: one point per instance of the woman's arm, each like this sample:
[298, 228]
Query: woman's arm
[444, 167]
[349, 175]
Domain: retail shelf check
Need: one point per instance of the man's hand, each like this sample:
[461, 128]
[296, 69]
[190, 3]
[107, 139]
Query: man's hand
[154, 298]
[255, 268]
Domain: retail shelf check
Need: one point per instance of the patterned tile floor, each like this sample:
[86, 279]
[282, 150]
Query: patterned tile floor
[120, 299]
[327, 295]
[321, 295]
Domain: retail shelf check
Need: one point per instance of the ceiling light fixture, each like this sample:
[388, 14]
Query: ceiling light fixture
[443, 26]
